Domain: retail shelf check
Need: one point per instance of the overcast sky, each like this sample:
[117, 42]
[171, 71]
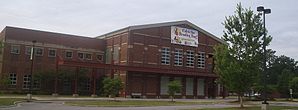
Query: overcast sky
[95, 17]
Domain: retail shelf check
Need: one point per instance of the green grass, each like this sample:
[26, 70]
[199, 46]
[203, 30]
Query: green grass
[137, 103]
[9, 101]
[253, 108]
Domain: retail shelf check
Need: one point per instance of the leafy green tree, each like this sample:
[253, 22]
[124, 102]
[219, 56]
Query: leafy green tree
[283, 82]
[174, 87]
[112, 87]
[4, 81]
[280, 64]
[238, 63]
[294, 86]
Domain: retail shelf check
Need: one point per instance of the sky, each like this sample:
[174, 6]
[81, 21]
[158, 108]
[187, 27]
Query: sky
[92, 18]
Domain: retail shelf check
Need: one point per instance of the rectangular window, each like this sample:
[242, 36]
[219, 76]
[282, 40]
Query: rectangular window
[36, 84]
[164, 81]
[116, 54]
[179, 79]
[201, 87]
[165, 56]
[108, 55]
[190, 58]
[28, 50]
[88, 56]
[99, 57]
[66, 85]
[68, 54]
[189, 86]
[81, 55]
[178, 58]
[52, 53]
[38, 51]
[201, 60]
[15, 49]
[26, 81]
[13, 78]
[86, 84]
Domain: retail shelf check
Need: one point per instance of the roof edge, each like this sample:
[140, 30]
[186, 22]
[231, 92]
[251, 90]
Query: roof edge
[135, 27]
[36, 30]
[107, 35]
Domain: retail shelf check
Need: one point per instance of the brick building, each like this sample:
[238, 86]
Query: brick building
[145, 57]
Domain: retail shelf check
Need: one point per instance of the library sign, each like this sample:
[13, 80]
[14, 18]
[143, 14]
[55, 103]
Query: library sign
[184, 36]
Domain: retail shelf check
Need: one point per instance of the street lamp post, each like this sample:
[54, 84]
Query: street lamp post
[264, 12]
[29, 96]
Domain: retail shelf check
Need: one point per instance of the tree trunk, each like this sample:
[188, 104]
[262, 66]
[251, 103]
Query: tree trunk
[241, 101]
[249, 95]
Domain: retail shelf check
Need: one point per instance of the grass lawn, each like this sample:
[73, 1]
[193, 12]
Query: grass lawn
[253, 108]
[9, 101]
[137, 103]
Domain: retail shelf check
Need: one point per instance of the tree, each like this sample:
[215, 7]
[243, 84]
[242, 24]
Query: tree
[112, 86]
[283, 82]
[294, 86]
[174, 87]
[238, 63]
[4, 81]
[280, 64]
[281, 70]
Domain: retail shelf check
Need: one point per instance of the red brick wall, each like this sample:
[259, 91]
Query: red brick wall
[120, 40]
[21, 64]
[147, 43]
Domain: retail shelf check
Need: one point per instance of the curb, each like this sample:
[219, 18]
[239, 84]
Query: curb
[15, 104]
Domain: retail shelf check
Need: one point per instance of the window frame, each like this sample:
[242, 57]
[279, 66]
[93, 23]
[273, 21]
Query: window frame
[165, 56]
[28, 50]
[51, 49]
[178, 57]
[36, 84]
[101, 59]
[85, 56]
[13, 79]
[13, 47]
[35, 51]
[26, 83]
[67, 52]
[190, 58]
[201, 60]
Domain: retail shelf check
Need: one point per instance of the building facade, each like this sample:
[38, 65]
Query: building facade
[145, 57]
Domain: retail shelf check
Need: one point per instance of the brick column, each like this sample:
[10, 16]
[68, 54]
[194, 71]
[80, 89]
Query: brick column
[143, 86]
[206, 87]
[183, 81]
[158, 87]
[195, 87]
